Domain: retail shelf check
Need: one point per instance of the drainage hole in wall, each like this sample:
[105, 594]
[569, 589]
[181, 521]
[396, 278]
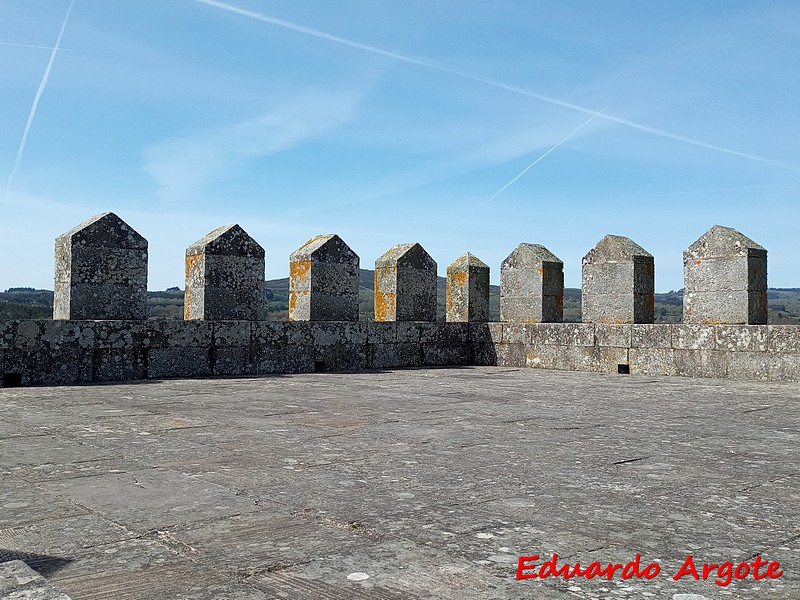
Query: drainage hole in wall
[624, 369]
[12, 379]
[319, 366]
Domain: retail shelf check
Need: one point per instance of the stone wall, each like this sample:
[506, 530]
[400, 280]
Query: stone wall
[70, 352]
[101, 270]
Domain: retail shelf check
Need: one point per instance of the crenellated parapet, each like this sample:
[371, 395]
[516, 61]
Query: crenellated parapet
[100, 331]
[725, 279]
[532, 286]
[323, 281]
[618, 282]
[405, 284]
[467, 290]
[100, 271]
[225, 277]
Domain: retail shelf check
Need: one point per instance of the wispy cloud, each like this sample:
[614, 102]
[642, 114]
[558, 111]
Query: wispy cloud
[430, 64]
[183, 165]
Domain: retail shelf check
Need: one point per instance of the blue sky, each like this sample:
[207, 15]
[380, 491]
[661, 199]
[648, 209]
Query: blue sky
[390, 122]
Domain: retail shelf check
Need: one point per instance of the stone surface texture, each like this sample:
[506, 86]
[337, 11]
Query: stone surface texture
[532, 286]
[323, 281]
[70, 352]
[467, 290]
[725, 279]
[100, 271]
[618, 282]
[431, 482]
[405, 285]
[225, 277]
[19, 582]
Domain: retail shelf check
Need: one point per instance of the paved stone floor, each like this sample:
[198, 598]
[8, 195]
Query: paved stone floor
[414, 484]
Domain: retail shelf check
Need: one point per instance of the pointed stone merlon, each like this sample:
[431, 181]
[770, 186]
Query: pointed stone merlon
[100, 271]
[725, 279]
[532, 286]
[405, 285]
[323, 281]
[618, 282]
[467, 290]
[225, 277]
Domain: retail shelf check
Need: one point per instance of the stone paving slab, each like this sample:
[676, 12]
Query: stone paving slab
[409, 484]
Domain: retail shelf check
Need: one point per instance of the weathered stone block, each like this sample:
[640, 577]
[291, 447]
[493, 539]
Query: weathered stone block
[618, 282]
[225, 277]
[694, 337]
[651, 336]
[725, 279]
[118, 335]
[341, 357]
[446, 354]
[392, 356]
[323, 281]
[651, 361]
[783, 367]
[66, 366]
[405, 285]
[444, 332]
[741, 338]
[484, 354]
[327, 334]
[182, 334]
[481, 333]
[561, 334]
[510, 355]
[230, 360]
[749, 366]
[118, 364]
[467, 290]
[267, 347]
[231, 333]
[179, 361]
[100, 271]
[408, 332]
[300, 358]
[516, 333]
[532, 286]
[381, 333]
[783, 338]
[701, 363]
[613, 335]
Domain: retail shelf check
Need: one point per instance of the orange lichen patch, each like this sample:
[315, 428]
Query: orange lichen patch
[299, 270]
[187, 302]
[540, 270]
[460, 277]
[191, 264]
[697, 262]
[385, 305]
[293, 302]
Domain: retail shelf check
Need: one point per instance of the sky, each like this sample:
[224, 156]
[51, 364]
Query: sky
[466, 126]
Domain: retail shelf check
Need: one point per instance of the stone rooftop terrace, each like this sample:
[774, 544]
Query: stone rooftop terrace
[432, 482]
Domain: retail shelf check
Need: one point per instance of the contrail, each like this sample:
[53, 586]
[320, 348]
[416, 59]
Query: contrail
[32, 46]
[36, 98]
[538, 160]
[525, 170]
[423, 62]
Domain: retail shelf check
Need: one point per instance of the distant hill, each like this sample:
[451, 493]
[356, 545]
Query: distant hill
[29, 303]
